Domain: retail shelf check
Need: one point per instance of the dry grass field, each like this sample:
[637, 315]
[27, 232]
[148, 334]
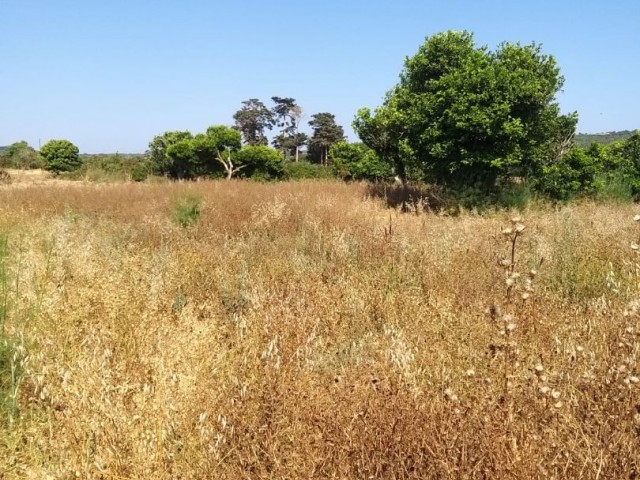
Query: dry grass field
[305, 330]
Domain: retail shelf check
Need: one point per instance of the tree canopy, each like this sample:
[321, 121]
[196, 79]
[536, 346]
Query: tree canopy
[20, 155]
[356, 161]
[60, 156]
[287, 114]
[252, 120]
[325, 134]
[462, 115]
[217, 152]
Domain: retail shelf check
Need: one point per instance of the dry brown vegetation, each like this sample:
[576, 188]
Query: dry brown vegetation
[304, 330]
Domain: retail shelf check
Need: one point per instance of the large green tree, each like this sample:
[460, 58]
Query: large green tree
[252, 120]
[20, 155]
[287, 115]
[215, 153]
[326, 132]
[205, 154]
[60, 156]
[161, 162]
[462, 115]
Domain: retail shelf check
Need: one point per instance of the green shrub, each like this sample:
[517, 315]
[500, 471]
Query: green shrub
[60, 156]
[356, 161]
[20, 155]
[576, 174]
[514, 195]
[140, 172]
[187, 209]
[617, 186]
[306, 170]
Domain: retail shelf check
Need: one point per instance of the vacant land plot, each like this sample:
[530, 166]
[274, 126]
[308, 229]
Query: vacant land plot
[305, 330]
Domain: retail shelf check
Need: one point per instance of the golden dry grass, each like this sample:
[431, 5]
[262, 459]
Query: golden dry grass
[304, 330]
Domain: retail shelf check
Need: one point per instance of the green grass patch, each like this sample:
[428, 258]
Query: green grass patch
[187, 210]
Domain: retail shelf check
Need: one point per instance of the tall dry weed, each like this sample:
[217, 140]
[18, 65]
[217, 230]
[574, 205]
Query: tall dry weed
[304, 330]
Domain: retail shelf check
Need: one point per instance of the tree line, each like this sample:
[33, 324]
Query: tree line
[243, 150]
[463, 118]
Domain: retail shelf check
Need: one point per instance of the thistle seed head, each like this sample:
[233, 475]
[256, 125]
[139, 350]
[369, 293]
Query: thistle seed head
[450, 395]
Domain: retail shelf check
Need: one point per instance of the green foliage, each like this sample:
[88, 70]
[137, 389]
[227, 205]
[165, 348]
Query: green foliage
[140, 172]
[584, 140]
[325, 134]
[260, 162]
[616, 185]
[187, 210]
[60, 156]
[356, 161]
[577, 173]
[287, 115]
[252, 120]
[514, 195]
[306, 170]
[180, 155]
[20, 155]
[116, 167]
[462, 115]
[160, 161]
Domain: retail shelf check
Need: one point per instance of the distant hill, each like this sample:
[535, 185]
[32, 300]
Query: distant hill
[586, 139]
[2, 149]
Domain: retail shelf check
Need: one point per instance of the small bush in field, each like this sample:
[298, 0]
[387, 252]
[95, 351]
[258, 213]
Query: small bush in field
[306, 170]
[187, 209]
[139, 172]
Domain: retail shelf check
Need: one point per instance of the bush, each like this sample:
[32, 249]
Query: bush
[576, 174]
[140, 172]
[60, 156]
[617, 186]
[514, 195]
[112, 168]
[356, 161]
[187, 209]
[306, 170]
[20, 155]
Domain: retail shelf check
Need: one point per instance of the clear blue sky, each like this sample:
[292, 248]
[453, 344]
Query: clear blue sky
[110, 74]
